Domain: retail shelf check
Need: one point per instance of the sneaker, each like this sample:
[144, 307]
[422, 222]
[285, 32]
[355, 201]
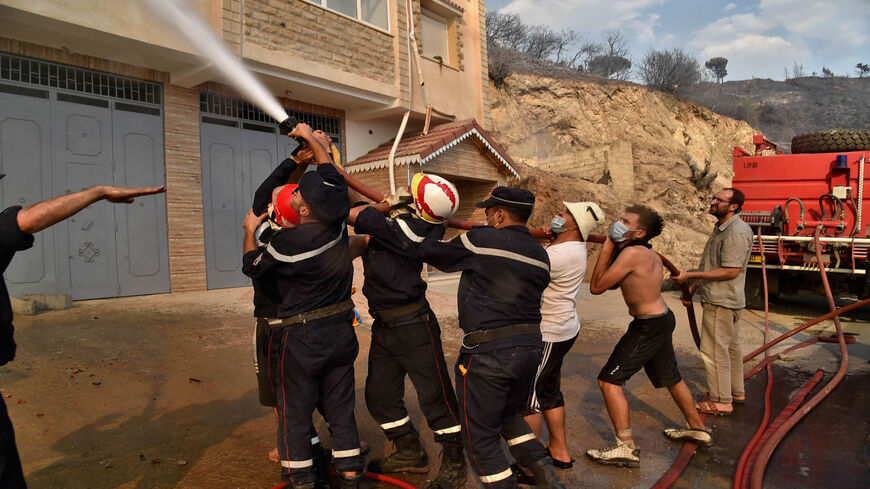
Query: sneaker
[694, 435]
[620, 455]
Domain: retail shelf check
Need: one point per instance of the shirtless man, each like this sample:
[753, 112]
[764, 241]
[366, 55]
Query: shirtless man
[627, 261]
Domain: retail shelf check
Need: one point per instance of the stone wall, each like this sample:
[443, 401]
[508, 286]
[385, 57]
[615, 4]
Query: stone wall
[321, 35]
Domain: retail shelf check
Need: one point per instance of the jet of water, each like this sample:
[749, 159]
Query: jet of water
[198, 33]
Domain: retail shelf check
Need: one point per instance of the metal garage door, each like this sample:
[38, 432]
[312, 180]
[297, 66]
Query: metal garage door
[64, 129]
[240, 147]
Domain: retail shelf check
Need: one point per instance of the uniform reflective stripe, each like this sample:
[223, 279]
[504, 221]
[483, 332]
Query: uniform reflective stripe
[496, 477]
[345, 453]
[315, 440]
[395, 424]
[407, 230]
[303, 256]
[297, 464]
[259, 232]
[447, 431]
[256, 362]
[501, 253]
[521, 439]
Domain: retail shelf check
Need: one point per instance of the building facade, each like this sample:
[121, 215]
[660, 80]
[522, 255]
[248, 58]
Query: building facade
[106, 92]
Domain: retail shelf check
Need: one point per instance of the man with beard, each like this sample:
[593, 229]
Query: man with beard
[627, 261]
[720, 280]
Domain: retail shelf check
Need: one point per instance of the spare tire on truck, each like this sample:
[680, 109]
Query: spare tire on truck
[831, 140]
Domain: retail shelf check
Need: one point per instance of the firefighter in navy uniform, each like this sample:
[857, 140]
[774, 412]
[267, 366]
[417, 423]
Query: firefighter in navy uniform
[273, 196]
[406, 337]
[312, 267]
[504, 274]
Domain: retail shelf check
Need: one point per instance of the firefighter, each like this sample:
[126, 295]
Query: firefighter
[406, 337]
[504, 274]
[312, 268]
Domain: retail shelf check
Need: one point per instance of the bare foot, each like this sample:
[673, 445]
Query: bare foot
[273, 455]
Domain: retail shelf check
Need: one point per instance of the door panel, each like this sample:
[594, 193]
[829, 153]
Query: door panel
[141, 239]
[82, 135]
[25, 158]
[222, 196]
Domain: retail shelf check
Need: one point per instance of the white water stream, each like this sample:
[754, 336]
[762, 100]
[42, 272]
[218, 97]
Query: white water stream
[199, 34]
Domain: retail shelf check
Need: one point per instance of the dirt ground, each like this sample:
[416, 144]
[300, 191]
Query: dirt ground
[158, 392]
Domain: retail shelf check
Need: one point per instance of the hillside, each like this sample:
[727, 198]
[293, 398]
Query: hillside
[679, 150]
[783, 109]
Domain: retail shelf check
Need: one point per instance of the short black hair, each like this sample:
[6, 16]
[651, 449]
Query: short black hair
[737, 197]
[649, 220]
[521, 215]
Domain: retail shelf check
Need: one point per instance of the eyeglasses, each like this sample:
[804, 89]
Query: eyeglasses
[717, 199]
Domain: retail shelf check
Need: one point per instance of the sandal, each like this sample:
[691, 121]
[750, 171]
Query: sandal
[738, 400]
[710, 407]
[559, 464]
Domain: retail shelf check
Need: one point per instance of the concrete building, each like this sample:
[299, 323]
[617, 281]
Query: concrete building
[104, 91]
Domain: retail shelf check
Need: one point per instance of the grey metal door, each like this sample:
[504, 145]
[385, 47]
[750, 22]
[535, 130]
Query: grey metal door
[25, 158]
[82, 140]
[222, 198]
[141, 233]
[236, 157]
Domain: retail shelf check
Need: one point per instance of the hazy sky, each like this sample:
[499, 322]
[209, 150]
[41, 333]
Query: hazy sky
[758, 37]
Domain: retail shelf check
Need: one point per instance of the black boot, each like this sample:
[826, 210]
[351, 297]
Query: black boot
[452, 473]
[350, 481]
[301, 485]
[408, 457]
[545, 475]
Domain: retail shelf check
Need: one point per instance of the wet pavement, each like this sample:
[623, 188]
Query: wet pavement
[158, 392]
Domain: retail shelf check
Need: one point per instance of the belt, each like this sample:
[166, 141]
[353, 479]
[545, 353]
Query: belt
[318, 313]
[388, 315]
[476, 338]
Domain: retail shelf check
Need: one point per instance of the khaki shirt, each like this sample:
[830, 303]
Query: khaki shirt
[728, 247]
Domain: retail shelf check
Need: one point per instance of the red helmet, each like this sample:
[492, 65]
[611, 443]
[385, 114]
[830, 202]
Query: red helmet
[281, 211]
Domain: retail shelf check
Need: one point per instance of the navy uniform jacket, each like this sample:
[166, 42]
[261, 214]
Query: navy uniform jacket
[504, 274]
[391, 263]
[266, 295]
[311, 262]
[11, 240]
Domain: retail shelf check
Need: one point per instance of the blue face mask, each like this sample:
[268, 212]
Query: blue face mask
[617, 232]
[557, 225]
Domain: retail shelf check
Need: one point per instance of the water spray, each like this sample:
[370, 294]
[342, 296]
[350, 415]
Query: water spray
[190, 24]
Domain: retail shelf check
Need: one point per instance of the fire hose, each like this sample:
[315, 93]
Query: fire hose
[593, 238]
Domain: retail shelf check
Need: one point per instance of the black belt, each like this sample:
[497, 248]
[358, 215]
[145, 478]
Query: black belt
[318, 313]
[391, 315]
[477, 338]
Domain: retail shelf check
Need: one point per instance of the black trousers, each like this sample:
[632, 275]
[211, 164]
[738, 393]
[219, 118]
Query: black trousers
[411, 346]
[265, 353]
[11, 474]
[493, 391]
[316, 369]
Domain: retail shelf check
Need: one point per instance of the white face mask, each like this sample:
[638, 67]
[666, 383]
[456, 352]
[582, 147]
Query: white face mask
[488, 219]
[618, 230]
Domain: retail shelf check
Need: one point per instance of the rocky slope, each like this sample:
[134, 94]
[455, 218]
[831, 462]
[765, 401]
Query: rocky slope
[681, 150]
[783, 109]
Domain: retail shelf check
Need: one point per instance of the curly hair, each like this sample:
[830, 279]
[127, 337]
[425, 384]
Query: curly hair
[649, 220]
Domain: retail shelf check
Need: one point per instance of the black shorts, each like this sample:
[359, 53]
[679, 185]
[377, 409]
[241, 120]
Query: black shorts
[547, 393]
[647, 344]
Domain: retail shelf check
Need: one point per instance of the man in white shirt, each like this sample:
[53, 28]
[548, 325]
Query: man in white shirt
[559, 322]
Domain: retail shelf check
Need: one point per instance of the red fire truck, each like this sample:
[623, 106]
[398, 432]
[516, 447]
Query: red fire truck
[818, 189]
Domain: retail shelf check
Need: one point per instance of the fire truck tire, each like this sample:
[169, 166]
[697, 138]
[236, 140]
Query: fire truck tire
[831, 140]
[753, 288]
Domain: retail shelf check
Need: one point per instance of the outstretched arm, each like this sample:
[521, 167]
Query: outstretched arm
[49, 212]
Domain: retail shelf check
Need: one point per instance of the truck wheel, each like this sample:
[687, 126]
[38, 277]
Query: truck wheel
[754, 288]
[831, 140]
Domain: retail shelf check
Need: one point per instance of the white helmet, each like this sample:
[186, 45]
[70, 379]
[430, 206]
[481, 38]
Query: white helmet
[436, 199]
[588, 216]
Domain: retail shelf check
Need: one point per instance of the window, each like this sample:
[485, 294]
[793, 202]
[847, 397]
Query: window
[434, 36]
[374, 12]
